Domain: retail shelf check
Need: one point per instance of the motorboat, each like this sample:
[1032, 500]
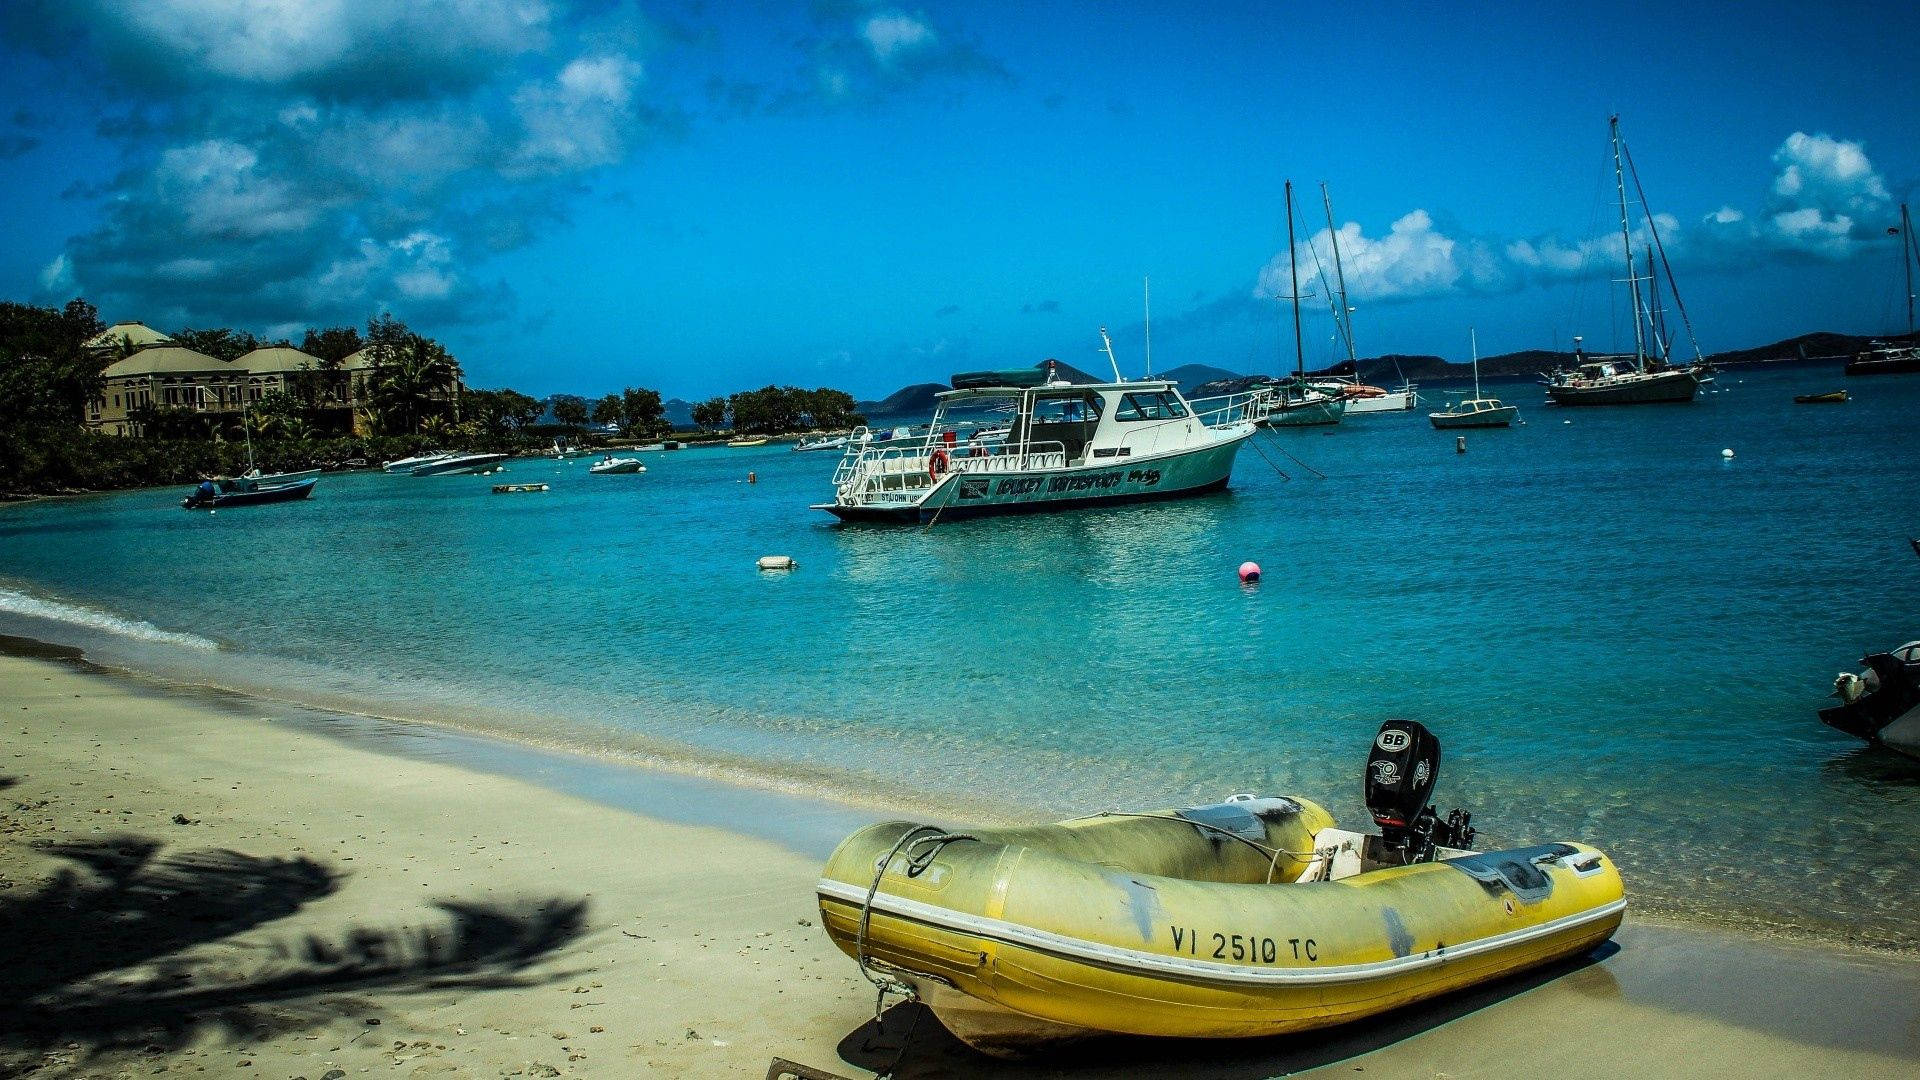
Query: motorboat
[1836, 397]
[408, 464]
[456, 464]
[611, 464]
[824, 442]
[1881, 704]
[756, 441]
[1244, 918]
[1069, 445]
[1476, 411]
[221, 492]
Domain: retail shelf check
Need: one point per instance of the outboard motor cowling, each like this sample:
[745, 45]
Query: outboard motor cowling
[1401, 771]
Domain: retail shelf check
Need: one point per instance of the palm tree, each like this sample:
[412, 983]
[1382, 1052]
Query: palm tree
[408, 378]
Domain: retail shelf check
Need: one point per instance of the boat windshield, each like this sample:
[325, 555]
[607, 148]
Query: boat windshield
[1150, 407]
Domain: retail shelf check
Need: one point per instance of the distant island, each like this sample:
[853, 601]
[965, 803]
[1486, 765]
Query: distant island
[1201, 380]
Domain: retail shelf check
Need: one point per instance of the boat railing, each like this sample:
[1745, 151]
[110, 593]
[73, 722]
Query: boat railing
[867, 468]
[1227, 410]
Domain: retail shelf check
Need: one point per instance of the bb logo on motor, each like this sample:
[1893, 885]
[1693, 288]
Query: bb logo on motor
[1393, 740]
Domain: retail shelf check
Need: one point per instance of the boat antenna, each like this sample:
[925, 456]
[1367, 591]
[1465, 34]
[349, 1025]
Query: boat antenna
[1293, 271]
[1107, 344]
[1340, 276]
[1626, 243]
[1146, 296]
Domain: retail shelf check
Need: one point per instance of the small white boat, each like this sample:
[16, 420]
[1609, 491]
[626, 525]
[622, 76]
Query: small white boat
[1476, 411]
[611, 464]
[408, 464]
[453, 464]
[760, 440]
[824, 442]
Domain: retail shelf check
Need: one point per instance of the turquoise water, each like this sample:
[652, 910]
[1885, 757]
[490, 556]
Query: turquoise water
[1620, 637]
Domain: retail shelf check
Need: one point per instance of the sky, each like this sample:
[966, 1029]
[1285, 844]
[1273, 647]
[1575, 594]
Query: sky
[582, 195]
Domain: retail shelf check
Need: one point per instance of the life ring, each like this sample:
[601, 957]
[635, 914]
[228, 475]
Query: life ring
[937, 465]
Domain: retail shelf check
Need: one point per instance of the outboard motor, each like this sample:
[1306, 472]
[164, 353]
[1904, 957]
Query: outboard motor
[1402, 769]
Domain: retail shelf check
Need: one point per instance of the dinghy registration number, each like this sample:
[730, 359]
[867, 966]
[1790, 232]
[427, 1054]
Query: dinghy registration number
[1253, 948]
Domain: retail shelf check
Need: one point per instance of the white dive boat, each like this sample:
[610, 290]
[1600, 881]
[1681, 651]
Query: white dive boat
[408, 464]
[611, 464]
[458, 463]
[824, 442]
[1648, 376]
[1068, 446]
[1293, 402]
[1476, 411]
[254, 474]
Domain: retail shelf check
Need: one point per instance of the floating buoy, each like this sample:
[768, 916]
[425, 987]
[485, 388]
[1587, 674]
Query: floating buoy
[1726, 453]
[1459, 444]
[752, 479]
[777, 562]
[1566, 421]
[1249, 572]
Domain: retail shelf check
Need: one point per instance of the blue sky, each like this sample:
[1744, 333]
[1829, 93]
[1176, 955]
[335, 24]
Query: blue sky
[579, 196]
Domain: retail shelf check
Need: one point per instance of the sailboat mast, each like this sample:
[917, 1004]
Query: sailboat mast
[1293, 272]
[1340, 278]
[1906, 251]
[1474, 338]
[1626, 243]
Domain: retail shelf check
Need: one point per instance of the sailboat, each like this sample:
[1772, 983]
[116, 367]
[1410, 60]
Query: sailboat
[1476, 411]
[1885, 357]
[1647, 376]
[253, 486]
[1360, 397]
[1294, 402]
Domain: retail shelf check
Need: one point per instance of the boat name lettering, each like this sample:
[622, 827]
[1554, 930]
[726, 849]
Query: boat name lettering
[1252, 948]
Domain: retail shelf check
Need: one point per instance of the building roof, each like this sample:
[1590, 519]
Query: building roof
[358, 360]
[137, 334]
[278, 358]
[166, 360]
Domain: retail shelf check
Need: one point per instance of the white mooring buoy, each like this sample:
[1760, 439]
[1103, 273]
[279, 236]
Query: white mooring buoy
[1459, 444]
[1726, 454]
[777, 562]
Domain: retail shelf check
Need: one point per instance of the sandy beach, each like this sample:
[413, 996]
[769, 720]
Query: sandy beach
[202, 885]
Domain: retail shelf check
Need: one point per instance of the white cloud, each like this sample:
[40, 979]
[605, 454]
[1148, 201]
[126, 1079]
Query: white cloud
[893, 34]
[1827, 199]
[57, 276]
[579, 120]
[216, 189]
[1414, 259]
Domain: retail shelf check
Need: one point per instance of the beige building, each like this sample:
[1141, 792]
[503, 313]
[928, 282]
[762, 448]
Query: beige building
[167, 376]
[155, 370]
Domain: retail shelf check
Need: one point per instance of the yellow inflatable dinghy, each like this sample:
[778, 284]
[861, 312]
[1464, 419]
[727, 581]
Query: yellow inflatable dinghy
[1251, 917]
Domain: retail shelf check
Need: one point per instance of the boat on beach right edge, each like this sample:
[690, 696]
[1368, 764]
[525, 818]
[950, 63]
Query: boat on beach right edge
[1649, 376]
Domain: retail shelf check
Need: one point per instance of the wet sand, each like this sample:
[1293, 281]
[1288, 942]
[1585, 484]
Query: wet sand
[211, 885]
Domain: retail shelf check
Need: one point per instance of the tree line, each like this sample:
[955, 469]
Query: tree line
[777, 410]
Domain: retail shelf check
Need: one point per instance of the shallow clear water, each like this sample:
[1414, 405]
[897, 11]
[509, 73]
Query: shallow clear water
[1619, 637]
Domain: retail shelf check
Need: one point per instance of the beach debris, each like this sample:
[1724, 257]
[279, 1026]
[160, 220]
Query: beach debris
[692, 1034]
[1249, 572]
[182, 819]
[373, 1021]
[777, 562]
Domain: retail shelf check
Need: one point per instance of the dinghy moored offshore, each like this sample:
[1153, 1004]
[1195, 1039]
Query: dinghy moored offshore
[1255, 916]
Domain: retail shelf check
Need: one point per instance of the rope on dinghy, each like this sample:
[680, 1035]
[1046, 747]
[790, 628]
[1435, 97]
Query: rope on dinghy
[917, 863]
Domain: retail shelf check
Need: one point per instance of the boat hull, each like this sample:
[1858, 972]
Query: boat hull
[1667, 387]
[456, 466]
[1489, 418]
[1391, 401]
[1896, 364]
[299, 489]
[1309, 414]
[965, 494]
[1017, 938]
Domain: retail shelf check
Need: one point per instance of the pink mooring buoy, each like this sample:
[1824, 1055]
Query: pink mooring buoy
[1249, 572]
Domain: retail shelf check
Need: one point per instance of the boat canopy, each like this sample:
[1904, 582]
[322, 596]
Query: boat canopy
[1020, 378]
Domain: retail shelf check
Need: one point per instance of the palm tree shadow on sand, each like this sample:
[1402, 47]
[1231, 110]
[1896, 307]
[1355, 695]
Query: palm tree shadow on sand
[911, 1041]
[105, 953]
